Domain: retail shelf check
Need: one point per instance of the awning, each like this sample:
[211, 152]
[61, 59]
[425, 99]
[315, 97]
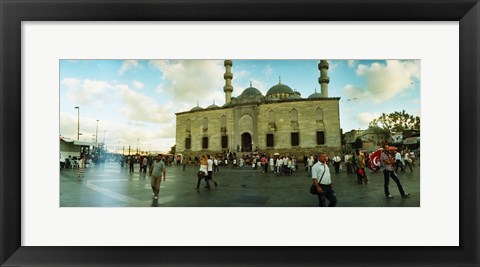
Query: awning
[77, 142]
[411, 141]
[83, 143]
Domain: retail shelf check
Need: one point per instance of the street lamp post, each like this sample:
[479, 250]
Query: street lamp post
[96, 136]
[78, 123]
[137, 144]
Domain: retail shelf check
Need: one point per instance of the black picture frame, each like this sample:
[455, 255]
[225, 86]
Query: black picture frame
[13, 12]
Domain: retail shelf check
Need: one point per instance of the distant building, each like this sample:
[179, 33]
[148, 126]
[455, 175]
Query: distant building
[412, 139]
[396, 139]
[371, 139]
[279, 122]
[73, 148]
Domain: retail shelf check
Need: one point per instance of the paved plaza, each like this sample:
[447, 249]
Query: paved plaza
[110, 185]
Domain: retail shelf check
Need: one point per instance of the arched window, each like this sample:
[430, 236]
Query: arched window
[189, 125]
[319, 114]
[293, 115]
[271, 116]
[224, 121]
[205, 123]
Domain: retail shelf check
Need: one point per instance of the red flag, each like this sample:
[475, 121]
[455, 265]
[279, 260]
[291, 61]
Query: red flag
[375, 160]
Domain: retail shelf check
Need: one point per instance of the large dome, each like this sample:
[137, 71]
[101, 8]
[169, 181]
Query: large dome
[280, 89]
[250, 92]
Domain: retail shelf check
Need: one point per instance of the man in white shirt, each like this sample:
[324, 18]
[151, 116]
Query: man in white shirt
[215, 165]
[278, 164]
[285, 165]
[398, 161]
[271, 163]
[157, 170]
[310, 165]
[210, 172]
[322, 180]
[336, 163]
[348, 163]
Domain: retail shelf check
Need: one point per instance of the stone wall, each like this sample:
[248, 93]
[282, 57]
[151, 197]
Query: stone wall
[254, 118]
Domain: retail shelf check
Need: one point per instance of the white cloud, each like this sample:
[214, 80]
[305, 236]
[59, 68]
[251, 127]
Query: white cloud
[189, 81]
[352, 92]
[138, 84]
[240, 74]
[352, 63]
[128, 65]
[68, 125]
[142, 108]
[365, 118]
[268, 71]
[385, 81]
[119, 136]
[333, 64]
[83, 92]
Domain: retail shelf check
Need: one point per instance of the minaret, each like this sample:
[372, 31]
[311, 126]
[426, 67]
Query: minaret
[324, 79]
[228, 76]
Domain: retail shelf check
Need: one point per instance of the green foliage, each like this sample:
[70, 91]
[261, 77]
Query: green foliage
[396, 122]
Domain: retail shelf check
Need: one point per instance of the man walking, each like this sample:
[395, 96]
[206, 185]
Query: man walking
[388, 171]
[210, 172]
[322, 180]
[310, 165]
[336, 163]
[398, 161]
[157, 170]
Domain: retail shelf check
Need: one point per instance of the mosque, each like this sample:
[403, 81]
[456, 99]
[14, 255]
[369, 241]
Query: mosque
[279, 122]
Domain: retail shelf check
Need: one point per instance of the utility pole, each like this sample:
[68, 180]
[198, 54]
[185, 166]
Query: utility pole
[78, 123]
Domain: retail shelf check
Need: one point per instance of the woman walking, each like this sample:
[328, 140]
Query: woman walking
[81, 167]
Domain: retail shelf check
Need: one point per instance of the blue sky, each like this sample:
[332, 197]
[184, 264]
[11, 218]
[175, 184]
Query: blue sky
[136, 100]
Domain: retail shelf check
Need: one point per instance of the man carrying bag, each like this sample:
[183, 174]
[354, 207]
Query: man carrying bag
[322, 180]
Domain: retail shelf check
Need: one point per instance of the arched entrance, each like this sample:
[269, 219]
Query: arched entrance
[246, 142]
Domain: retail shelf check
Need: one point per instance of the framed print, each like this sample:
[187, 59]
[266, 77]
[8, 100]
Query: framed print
[37, 36]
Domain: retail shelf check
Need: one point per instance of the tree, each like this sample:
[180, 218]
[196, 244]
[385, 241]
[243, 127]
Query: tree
[396, 122]
[173, 149]
[358, 143]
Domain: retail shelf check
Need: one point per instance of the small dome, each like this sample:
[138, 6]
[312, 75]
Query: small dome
[212, 106]
[280, 89]
[315, 95]
[196, 108]
[250, 92]
[295, 96]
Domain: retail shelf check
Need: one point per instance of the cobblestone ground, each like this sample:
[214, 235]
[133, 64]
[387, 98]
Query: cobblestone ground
[110, 185]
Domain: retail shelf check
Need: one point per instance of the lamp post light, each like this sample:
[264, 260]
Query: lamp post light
[78, 123]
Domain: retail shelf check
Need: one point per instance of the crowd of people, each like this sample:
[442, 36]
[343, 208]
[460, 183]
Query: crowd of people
[317, 167]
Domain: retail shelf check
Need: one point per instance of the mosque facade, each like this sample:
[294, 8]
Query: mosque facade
[280, 122]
